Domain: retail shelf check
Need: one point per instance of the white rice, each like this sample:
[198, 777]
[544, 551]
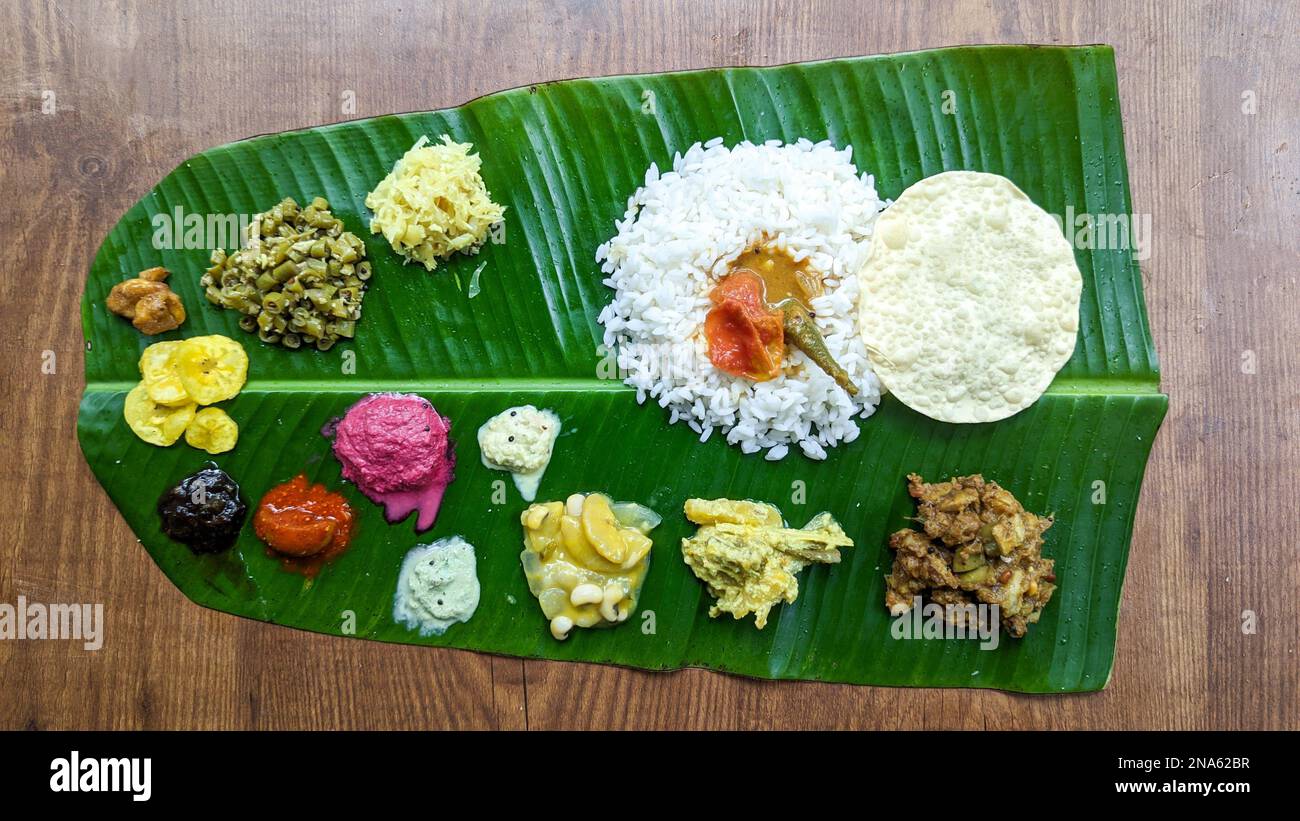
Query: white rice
[680, 232]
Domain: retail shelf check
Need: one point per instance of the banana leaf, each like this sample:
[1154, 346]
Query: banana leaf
[564, 157]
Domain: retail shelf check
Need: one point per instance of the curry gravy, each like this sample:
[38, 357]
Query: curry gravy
[782, 276]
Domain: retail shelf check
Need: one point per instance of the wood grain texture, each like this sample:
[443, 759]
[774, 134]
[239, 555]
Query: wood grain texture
[1211, 97]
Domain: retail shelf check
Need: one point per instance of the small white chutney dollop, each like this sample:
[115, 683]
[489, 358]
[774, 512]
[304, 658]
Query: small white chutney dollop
[520, 440]
[437, 587]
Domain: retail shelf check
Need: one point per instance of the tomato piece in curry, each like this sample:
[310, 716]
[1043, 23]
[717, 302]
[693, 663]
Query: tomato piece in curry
[746, 337]
[745, 332]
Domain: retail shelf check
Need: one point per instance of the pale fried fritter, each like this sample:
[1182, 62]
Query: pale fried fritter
[148, 302]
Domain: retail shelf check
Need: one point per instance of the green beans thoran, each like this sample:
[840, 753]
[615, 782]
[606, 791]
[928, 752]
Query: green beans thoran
[298, 280]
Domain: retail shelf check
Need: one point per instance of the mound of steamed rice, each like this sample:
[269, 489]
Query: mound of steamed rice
[681, 231]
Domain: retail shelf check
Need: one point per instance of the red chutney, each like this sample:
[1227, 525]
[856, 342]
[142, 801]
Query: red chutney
[746, 338]
[304, 525]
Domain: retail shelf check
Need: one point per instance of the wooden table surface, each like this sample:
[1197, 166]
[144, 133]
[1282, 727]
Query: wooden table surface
[1211, 98]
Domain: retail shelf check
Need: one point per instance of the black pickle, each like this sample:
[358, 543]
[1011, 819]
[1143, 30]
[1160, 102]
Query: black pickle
[204, 512]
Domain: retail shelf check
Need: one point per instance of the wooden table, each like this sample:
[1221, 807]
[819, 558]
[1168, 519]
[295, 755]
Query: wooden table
[101, 100]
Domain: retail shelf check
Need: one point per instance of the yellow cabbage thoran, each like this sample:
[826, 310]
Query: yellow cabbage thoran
[434, 203]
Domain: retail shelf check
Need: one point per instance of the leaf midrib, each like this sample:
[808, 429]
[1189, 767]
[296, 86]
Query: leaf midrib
[1075, 386]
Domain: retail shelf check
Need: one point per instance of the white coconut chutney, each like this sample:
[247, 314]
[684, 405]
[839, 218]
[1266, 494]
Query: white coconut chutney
[520, 440]
[437, 587]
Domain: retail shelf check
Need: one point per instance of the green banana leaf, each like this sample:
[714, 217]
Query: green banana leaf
[564, 157]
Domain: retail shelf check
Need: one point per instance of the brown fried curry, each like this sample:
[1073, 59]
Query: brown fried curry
[977, 545]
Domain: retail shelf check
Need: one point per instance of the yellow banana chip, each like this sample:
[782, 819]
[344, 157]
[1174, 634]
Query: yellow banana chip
[211, 368]
[212, 430]
[155, 423]
[161, 379]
